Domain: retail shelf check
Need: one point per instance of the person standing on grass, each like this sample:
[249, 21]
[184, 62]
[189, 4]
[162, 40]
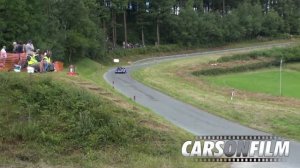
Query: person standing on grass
[14, 47]
[29, 48]
[19, 51]
[3, 55]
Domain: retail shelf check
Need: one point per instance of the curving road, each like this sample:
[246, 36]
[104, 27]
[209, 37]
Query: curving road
[186, 116]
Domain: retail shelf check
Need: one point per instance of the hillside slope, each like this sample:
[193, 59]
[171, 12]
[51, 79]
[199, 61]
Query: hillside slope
[46, 122]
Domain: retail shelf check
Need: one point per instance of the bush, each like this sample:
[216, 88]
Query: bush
[287, 54]
[119, 53]
[250, 67]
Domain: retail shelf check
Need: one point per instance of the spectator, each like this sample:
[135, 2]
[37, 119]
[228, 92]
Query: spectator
[38, 55]
[29, 48]
[124, 44]
[19, 51]
[19, 47]
[14, 47]
[3, 55]
[48, 65]
[33, 61]
[41, 59]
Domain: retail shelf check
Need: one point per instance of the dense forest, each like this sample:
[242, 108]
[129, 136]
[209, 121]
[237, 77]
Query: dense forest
[75, 28]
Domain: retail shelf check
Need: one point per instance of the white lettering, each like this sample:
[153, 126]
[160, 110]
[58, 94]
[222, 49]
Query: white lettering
[196, 149]
[208, 147]
[268, 152]
[261, 149]
[282, 148]
[184, 148]
[253, 148]
[220, 152]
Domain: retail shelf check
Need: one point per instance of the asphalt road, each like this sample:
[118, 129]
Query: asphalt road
[186, 116]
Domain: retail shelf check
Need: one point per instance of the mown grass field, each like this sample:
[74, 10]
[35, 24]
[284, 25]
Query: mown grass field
[277, 115]
[262, 81]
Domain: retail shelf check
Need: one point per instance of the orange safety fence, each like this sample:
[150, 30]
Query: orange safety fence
[58, 66]
[11, 60]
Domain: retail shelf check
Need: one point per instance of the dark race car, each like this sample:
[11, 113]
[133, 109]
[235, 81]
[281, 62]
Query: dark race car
[120, 70]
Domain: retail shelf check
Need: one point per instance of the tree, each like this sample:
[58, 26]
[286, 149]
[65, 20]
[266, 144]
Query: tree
[77, 28]
[118, 6]
[143, 17]
[251, 18]
[272, 24]
[15, 21]
[233, 30]
[159, 10]
[82, 37]
[188, 26]
[210, 29]
[198, 6]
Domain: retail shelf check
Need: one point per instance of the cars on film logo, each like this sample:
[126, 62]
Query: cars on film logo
[237, 149]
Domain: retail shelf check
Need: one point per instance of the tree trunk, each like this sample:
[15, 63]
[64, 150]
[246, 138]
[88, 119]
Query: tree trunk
[104, 26]
[268, 6]
[143, 37]
[157, 32]
[70, 56]
[223, 12]
[125, 29]
[208, 6]
[114, 33]
[112, 27]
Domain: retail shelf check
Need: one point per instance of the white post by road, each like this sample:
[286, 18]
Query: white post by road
[280, 83]
[115, 61]
[232, 94]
